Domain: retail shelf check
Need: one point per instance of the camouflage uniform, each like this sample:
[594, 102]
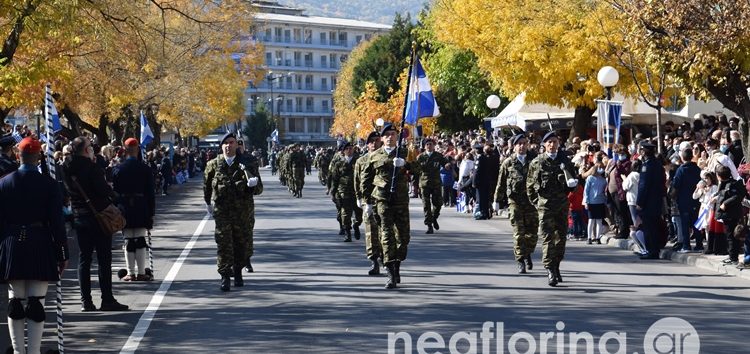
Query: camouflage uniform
[393, 210]
[428, 168]
[511, 190]
[373, 248]
[297, 161]
[342, 188]
[329, 181]
[321, 162]
[234, 210]
[548, 191]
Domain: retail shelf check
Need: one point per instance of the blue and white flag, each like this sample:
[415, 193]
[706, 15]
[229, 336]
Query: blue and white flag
[17, 136]
[421, 103]
[275, 136]
[146, 134]
[52, 126]
[608, 122]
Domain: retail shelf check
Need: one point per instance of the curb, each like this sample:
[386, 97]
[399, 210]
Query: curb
[711, 263]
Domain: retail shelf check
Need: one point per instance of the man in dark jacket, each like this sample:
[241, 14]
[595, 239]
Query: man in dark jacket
[685, 179]
[166, 173]
[485, 180]
[650, 202]
[729, 209]
[134, 184]
[81, 173]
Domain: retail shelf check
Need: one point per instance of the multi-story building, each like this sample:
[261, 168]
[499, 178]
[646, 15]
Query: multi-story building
[303, 55]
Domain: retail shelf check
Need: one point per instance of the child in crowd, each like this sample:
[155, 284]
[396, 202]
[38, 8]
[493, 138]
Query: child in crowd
[447, 179]
[575, 198]
[594, 199]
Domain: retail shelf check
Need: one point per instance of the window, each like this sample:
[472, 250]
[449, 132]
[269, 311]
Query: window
[308, 36]
[324, 84]
[323, 39]
[288, 105]
[269, 58]
[367, 36]
[297, 35]
[298, 83]
[296, 125]
[269, 35]
[288, 82]
[332, 61]
[287, 59]
[333, 82]
[308, 82]
[343, 40]
[313, 125]
[332, 38]
[359, 39]
[308, 60]
[310, 105]
[323, 61]
[287, 36]
[327, 124]
[279, 57]
[277, 34]
[324, 105]
[298, 104]
[297, 58]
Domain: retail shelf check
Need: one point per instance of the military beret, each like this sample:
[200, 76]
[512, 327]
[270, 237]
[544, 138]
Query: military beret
[386, 128]
[30, 146]
[7, 140]
[478, 146]
[131, 142]
[227, 136]
[647, 145]
[516, 138]
[373, 135]
[428, 140]
[548, 136]
[345, 145]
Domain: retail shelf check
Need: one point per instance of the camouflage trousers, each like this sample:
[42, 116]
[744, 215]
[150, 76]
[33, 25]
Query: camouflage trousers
[322, 176]
[394, 230]
[525, 222]
[234, 243]
[553, 227]
[298, 179]
[346, 210]
[373, 248]
[432, 201]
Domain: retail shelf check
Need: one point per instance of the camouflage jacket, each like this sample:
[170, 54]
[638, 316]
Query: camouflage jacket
[297, 160]
[377, 175]
[511, 182]
[359, 169]
[342, 177]
[546, 181]
[428, 168]
[226, 186]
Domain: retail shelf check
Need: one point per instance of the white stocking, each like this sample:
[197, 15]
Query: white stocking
[130, 262]
[35, 330]
[598, 226]
[592, 229]
[140, 258]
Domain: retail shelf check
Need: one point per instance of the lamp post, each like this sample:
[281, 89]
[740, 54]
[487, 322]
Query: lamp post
[271, 78]
[493, 102]
[608, 77]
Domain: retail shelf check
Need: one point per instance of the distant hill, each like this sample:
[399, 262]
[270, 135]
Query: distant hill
[379, 11]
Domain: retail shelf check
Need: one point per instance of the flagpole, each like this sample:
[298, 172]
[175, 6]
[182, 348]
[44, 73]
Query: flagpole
[50, 159]
[403, 115]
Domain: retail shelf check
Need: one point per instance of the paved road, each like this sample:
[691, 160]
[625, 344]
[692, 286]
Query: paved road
[310, 292]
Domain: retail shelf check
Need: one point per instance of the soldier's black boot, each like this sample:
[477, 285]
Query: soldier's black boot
[356, 233]
[435, 224]
[429, 230]
[348, 235]
[521, 267]
[558, 276]
[397, 268]
[552, 277]
[529, 264]
[374, 268]
[341, 230]
[238, 281]
[390, 269]
[225, 282]
[249, 266]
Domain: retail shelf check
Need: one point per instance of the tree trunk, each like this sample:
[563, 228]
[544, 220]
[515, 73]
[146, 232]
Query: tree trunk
[733, 95]
[581, 123]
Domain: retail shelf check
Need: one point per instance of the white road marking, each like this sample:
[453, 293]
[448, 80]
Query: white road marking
[148, 315]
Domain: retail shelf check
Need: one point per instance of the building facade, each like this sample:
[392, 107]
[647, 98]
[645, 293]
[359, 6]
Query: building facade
[303, 55]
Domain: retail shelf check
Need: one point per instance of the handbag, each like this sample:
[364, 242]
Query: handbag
[110, 218]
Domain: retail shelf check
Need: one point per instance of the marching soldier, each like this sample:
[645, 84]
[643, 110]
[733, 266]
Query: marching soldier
[297, 162]
[391, 208]
[228, 189]
[8, 162]
[342, 188]
[134, 184]
[334, 160]
[428, 166]
[33, 246]
[549, 178]
[373, 248]
[511, 190]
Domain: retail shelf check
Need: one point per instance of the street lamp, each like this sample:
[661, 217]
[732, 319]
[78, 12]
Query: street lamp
[608, 77]
[271, 78]
[493, 102]
[380, 122]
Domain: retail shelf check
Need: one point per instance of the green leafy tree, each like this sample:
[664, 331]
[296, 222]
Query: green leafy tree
[258, 127]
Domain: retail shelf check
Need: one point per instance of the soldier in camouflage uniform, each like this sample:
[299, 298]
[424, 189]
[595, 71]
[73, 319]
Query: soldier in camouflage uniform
[322, 159]
[228, 189]
[550, 177]
[334, 159]
[391, 208]
[373, 248]
[8, 162]
[428, 168]
[511, 190]
[297, 161]
[342, 188]
[281, 164]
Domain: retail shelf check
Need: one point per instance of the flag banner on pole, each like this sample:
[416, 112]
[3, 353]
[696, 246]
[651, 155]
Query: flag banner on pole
[275, 136]
[421, 103]
[17, 136]
[52, 126]
[608, 123]
[147, 136]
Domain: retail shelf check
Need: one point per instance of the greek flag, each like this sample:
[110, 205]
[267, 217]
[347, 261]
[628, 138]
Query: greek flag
[421, 102]
[608, 122]
[17, 137]
[461, 202]
[275, 136]
[146, 135]
[52, 126]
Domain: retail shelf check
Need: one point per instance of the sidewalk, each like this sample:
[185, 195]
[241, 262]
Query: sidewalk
[707, 262]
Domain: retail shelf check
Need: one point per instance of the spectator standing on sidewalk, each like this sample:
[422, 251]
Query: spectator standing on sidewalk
[729, 210]
[595, 199]
[683, 186]
[650, 199]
